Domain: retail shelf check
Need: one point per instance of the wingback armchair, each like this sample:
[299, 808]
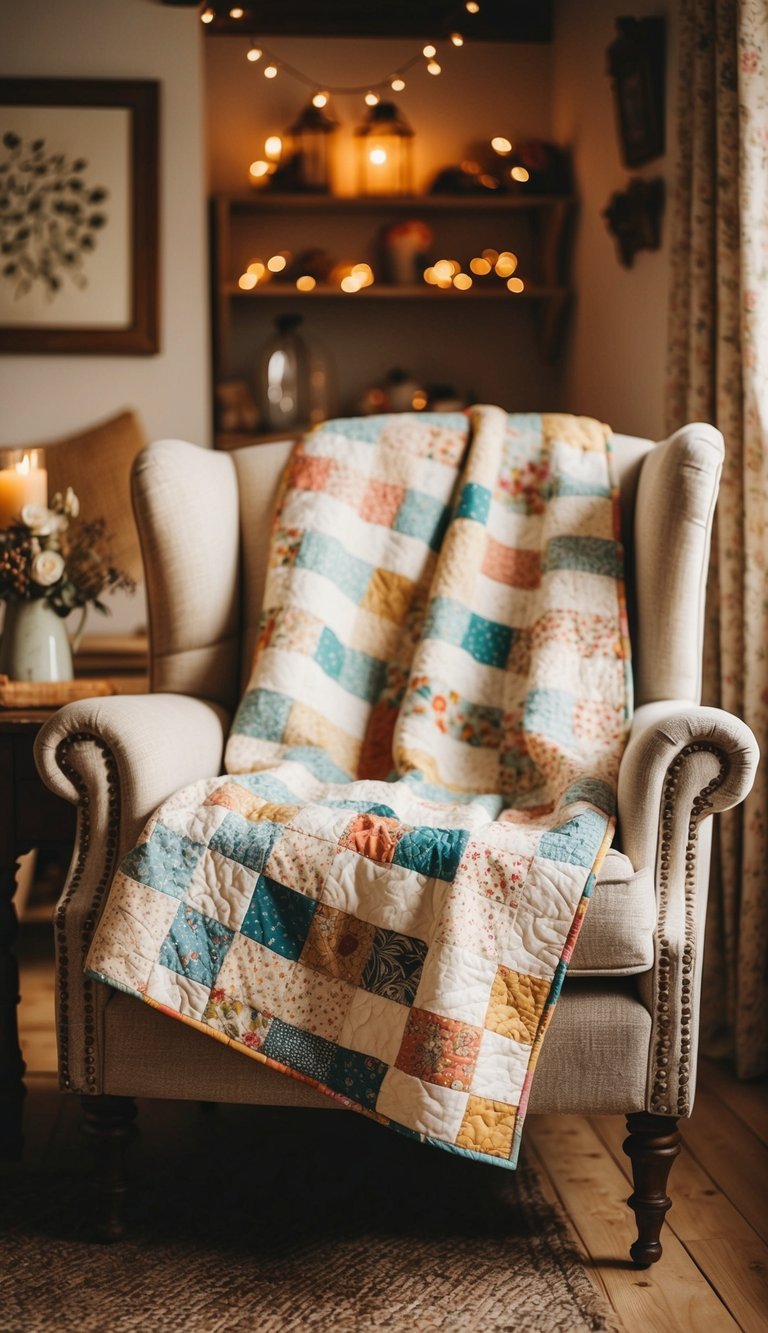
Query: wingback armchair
[624, 1034]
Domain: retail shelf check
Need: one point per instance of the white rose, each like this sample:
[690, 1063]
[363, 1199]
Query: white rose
[47, 568]
[41, 520]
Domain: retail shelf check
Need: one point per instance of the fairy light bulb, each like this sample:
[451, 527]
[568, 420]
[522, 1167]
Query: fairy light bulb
[479, 266]
[256, 268]
[372, 99]
[236, 12]
[457, 39]
[273, 147]
[462, 282]
[397, 85]
[501, 145]
[433, 67]
[520, 174]
[320, 99]
[306, 283]
[270, 71]
[429, 51]
[377, 156]
[247, 281]
[472, 7]
[258, 168]
[277, 263]
[207, 16]
[253, 54]
[516, 285]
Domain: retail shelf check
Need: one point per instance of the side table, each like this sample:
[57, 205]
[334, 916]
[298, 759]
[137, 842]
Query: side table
[30, 816]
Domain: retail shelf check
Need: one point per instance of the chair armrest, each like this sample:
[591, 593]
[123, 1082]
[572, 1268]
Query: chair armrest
[682, 763]
[117, 759]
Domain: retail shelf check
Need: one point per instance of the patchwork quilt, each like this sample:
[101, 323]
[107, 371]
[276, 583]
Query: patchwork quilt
[382, 894]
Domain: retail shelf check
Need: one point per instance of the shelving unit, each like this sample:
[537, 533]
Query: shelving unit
[256, 225]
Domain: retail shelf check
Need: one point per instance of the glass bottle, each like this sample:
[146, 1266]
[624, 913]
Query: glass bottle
[295, 382]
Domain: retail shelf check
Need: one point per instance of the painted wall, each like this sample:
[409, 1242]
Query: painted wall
[46, 396]
[615, 360]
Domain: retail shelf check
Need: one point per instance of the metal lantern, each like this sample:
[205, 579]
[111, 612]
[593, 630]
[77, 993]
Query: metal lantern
[384, 144]
[311, 158]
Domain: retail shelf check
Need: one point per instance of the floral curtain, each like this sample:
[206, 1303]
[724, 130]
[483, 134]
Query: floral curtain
[718, 371]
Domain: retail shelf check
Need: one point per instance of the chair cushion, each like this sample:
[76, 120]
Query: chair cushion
[617, 936]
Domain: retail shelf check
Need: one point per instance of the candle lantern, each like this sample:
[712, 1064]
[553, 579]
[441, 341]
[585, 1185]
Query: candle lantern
[23, 481]
[384, 144]
[310, 166]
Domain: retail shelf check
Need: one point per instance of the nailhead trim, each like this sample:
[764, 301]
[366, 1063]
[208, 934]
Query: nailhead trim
[661, 1101]
[83, 845]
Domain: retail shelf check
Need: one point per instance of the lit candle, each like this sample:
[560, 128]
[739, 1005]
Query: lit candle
[23, 481]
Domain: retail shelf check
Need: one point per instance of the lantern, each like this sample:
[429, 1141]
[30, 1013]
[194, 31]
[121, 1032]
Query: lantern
[311, 159]
[384, 151]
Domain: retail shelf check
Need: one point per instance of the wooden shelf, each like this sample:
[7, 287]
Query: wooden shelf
[265, 202]
[283, 291]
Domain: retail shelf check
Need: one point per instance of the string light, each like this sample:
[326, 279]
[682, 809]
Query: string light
[501, 145]
[257, 269]
[278, 262]
[506, 264]
[259, 168]
[320, 96]
[479, 266]
[516, 285]
[273, 146]
[463, 282]
[247, 281]
[520, 174]
[305, 283]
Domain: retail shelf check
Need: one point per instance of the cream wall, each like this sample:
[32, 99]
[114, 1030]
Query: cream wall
[614, 366]
[46, 396]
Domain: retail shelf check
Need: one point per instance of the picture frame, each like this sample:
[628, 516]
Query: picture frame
[636, 65]
[79, 237]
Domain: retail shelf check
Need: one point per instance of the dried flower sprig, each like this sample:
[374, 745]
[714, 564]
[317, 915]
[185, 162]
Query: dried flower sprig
[49, 553]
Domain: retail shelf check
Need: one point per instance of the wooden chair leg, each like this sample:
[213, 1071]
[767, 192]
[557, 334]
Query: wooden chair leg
[108, 1125]
[653, 1145]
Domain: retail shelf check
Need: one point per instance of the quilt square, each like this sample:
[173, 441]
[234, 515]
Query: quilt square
[487, 641]
[303, 1051]
[516, 1004]
[424, 516]
[263, 713]
[474, 503]
[374, 836]
[439, 1050]
[381, 501]
[394, 966]
[233, 1016]
[356, 1076]
[438, 1114]
[337, 944]
[244, 841]
[195, 945]
[166, 861]
[374, 1026]
[278, 917]
[299, 861]
[434, 852]
[487, 1127]
[500, 1068]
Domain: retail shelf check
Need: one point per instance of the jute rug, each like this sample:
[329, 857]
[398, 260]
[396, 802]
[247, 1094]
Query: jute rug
[326, 1223]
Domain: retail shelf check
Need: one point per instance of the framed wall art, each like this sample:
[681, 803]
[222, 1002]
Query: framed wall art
[79, 216]
[636, 67]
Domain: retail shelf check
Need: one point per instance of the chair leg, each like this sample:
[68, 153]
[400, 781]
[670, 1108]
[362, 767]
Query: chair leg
[653, 1145]
[108, 1125]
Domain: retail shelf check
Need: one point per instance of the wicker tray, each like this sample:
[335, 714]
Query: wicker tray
[49, 694]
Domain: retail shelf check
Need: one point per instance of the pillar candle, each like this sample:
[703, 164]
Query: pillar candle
[23, 480]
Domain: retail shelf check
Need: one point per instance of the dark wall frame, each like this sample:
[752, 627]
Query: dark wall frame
[142, 98]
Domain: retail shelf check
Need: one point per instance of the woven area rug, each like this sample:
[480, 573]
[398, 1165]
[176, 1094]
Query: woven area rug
[316, 1228]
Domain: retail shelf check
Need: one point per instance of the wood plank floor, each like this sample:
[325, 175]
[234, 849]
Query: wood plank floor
[714, 1273]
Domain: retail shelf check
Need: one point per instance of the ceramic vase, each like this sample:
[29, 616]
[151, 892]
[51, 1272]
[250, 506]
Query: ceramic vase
[35, 644]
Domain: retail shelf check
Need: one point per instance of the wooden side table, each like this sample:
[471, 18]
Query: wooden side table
[31, 816]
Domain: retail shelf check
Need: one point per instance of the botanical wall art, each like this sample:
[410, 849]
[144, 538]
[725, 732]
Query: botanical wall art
[78, 216]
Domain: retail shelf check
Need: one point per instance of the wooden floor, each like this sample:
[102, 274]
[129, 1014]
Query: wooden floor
[714, 1273]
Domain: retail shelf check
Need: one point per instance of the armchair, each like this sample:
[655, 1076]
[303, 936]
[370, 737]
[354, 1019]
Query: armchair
[624, 1034]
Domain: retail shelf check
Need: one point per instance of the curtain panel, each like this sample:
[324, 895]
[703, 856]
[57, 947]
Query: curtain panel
[718, 371]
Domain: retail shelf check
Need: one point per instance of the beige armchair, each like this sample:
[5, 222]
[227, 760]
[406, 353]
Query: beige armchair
[624, 1034]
